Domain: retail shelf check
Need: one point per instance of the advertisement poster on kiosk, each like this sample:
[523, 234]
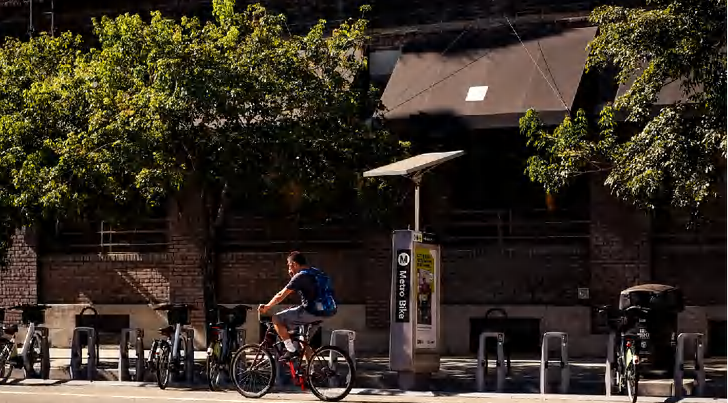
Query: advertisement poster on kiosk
[426, 296]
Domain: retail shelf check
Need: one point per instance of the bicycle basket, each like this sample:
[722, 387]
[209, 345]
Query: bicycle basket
[178, 315]
[33, 315]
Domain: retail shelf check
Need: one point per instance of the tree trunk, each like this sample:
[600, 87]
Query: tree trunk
[213, 220]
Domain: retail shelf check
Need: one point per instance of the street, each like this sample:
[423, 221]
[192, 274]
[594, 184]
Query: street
[114, 393]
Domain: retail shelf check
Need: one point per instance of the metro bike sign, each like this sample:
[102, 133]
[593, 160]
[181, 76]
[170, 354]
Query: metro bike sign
[402, 296]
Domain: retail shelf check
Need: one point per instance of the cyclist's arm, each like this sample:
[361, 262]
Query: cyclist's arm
[279, 297]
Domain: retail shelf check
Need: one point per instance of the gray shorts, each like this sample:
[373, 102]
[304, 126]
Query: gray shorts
[296, 316]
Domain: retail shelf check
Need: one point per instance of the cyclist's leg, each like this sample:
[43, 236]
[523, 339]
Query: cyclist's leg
[288, 319]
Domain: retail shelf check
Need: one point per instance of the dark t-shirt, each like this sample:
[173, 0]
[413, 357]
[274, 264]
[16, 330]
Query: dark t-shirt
[305, 285]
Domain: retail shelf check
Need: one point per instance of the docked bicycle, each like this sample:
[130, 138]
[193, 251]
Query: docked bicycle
[170, 352]
[646, 328]
[225, 341]
[33, 358]
[255, 370]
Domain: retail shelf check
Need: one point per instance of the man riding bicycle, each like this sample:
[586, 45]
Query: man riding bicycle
[317, 300]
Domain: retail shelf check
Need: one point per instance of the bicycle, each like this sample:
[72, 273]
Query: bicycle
[627, 348]
[172, 359]
[224, 342]
[243, 371]
[34, 350]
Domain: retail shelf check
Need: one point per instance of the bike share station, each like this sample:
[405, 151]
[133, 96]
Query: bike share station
[415, 338]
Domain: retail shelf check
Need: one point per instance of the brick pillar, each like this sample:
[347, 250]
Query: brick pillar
[378, 281]
[619, 245]
[185, 282]
[20, 279]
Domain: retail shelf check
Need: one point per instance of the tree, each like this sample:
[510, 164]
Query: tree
[674, 157]
[164, 108]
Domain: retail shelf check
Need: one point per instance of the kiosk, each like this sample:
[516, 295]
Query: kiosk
[414, 338]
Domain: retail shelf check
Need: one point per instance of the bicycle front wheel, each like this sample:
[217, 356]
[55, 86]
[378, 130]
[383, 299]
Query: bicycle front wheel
[164, 371]
[253, 371]
[212, 367]
[331, 373]
[631, 375]
[6, 365]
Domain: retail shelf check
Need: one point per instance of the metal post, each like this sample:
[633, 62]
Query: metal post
[564, 386]
[139, 345]
[126, 336]
[76, 352]
[680, 364]
[45, 363]
[351, 337]
[189, 354]
[609, 378]
[483, 361]
[417, 180]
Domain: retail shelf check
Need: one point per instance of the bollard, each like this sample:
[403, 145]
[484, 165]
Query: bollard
[138, 335]
[564, 387]
[483, 361]
[45, 363]
[351, 336]
[609, 378]
[189, 354]
[680, 364]
[76, 353]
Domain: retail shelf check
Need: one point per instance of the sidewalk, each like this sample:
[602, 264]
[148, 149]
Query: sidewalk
[456, 375]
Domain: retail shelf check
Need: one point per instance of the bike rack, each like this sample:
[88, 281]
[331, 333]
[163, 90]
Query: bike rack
[127, 334]
[564, 387]
[76, 352]
[680, 363]
[351, 337]
[609, 378]
[483, 361]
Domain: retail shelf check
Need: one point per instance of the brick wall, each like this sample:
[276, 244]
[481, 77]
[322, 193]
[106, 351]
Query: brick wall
[19, 279]
[515, 274]
[619, 248]
[360, 275]
[122, 279]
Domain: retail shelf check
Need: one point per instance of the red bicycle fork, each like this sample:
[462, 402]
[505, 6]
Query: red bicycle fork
[297, 379]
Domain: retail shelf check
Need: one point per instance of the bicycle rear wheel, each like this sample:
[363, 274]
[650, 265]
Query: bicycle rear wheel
[325, 371]
[253, 371]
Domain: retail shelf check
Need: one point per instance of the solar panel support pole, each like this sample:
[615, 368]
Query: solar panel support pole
[417, 179]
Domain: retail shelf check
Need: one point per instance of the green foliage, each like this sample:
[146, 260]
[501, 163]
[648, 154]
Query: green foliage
[676, 156]
[164, 105]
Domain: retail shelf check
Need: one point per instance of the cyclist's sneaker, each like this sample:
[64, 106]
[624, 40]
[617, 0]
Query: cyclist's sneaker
[288, 356]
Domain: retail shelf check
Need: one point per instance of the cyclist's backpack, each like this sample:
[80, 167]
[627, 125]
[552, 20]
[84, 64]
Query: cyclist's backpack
[325, 303]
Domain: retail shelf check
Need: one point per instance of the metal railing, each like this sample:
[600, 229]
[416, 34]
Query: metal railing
[564, 360]
[680, 364]
[500, 363]
[76, 349]
[126, 335]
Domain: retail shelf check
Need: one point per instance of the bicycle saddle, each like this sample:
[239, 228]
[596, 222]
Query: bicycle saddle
[10, 329]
